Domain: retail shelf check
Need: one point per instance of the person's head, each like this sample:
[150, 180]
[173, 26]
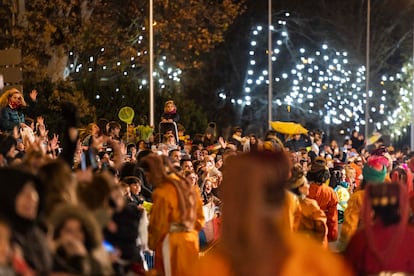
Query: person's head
[59, 184]
[114, 128]
[187, 165]
[174, 155]
[13, 98]
[237, 131]
[375, 170]
[169, 107]
[20, 196]
[72, 222]
[402, 175]
[207, 185]
[134, 184]
[154, 168]
[191, 176]
[141, 145]
[7, 145]
[319, 172]
[103, 125]
[254, 185]
[298, 183]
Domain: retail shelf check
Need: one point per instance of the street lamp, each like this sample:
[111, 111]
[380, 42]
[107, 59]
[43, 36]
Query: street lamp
[151, 63]
[269, 62]
[367, 71]
[412, 99]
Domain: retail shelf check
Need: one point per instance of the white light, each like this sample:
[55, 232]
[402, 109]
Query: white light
[118, 63]
[250, 72]
[233, 101]
[255, 32]
[279, 42]
[249, 81]
[259, 28]
[97, 97]
[252, 62]
[284, 75]
[253, 43]
[284, 34]
[324, 46]
[251, 53]
[247, 98]
[301, 50]
[239, 101]
[90, 69]
[265, 73]
[125, 73]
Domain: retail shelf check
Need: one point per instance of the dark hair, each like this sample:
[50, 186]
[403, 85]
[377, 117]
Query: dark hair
[132, 180]
[6, 143]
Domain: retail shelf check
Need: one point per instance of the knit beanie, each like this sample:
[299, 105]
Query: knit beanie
[375, 170]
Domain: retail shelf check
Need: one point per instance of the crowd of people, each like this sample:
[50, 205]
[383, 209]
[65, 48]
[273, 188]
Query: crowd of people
[99, 201]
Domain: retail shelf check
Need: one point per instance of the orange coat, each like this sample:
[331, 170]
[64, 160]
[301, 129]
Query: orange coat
[306, 258]
[313, 221]
[183, 246]
[327, 201]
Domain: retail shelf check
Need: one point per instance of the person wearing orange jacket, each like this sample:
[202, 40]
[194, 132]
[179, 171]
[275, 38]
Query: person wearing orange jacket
[324, 195]
[176, 218]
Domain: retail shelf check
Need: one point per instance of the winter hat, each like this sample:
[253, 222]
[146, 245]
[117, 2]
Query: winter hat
[319, 171]
[375, 170]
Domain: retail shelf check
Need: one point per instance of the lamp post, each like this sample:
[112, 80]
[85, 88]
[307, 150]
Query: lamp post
[151, 63]
[367, 71]
[269, 61]
[412, 98]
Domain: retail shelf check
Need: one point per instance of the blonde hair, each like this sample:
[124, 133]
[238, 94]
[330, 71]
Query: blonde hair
[5, 97]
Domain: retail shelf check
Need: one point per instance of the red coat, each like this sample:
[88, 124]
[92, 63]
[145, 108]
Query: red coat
[364, 261]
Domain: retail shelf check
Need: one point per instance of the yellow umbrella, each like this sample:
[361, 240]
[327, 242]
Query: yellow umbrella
[288, 127]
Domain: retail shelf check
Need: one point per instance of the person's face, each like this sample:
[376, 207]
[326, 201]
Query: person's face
[27, 202]
[188, 166]
[5, 248]
[135, 188]
[12, 152]
[219, 163]
[142, 145]
[252, 140]
[176, 156]
[192, 178]
[169, 107]
[207, 187]
[16, 98]
[117, 130]
[72, 229]
[304, 189]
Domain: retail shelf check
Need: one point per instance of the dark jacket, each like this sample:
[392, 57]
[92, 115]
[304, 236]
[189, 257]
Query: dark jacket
[10, 118]
[26, 233]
